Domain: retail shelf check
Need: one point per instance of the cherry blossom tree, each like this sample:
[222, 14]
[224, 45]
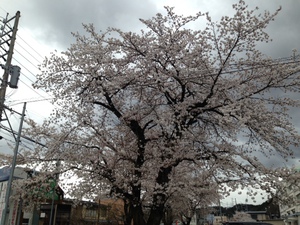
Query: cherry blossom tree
[183, 203]
[144, 115]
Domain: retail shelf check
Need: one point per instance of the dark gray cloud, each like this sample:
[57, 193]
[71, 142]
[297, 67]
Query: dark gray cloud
[53, 21]
[285, 30]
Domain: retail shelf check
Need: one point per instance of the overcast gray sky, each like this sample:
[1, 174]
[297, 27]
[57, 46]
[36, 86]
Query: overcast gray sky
[51, 22]
[47, 25]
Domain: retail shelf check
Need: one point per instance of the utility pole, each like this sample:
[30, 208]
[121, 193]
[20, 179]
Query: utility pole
[8, 36]
[10, 78]
[5, 213]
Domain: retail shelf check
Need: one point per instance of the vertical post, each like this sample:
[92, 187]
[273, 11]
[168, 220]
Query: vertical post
[8, 64]
[99, 211]
[13, 165]
[19, 211]
[54, 211]
[52, 207]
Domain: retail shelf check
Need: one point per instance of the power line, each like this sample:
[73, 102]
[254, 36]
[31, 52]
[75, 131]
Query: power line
[42, 57]
[22, 136]
[3, 9]
[29, 71]
[24, 67]
[29, 34]
[29, 61]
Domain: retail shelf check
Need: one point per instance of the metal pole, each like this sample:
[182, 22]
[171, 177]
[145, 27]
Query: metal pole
[53, 220]
[52, 207]
[13, 165]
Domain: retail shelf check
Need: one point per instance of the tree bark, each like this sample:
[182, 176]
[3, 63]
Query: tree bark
[168, 216]
[156, 215]
[128, 213]
[138, 215]
[133, 214]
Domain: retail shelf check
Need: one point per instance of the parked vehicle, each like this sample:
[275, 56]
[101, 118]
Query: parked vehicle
[245, 223]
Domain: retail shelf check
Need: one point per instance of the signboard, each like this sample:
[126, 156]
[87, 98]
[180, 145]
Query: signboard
[14, 212]
[4, 173]
[3, 188]
[13, 205]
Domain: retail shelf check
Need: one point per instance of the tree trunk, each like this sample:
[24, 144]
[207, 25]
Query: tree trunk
[168, 216]
[156, 215]
[159, 200]
[128, 213]
[133, 213]
[187, 221]
[138, 215]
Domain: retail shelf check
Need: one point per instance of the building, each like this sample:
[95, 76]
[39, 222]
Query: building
[290, 212]
[101, 212]
[258, 215]
[66, 212]
[19, 173]
[54, 209]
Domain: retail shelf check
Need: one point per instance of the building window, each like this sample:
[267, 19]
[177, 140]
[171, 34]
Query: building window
[91, 213]
[95, 213]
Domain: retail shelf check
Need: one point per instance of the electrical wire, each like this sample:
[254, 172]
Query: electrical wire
[19, 37]
[3, 11]
[29, 61]
[29, 71]
[22, 136]
[22, 142]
